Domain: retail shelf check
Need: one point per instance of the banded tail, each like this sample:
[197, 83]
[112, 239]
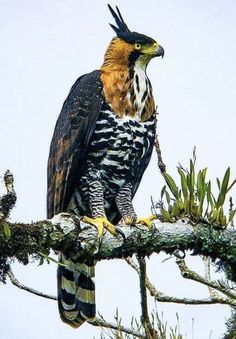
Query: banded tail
[76, 292]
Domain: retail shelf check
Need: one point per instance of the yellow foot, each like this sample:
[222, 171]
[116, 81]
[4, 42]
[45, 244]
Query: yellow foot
[130, 220]
[101, 223]
[148, 221]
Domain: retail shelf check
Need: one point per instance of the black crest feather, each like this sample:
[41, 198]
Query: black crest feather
[122, 27]
[123, 32]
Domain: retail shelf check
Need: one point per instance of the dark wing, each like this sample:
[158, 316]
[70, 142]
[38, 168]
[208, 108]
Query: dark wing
[145, 161]
[70, 141]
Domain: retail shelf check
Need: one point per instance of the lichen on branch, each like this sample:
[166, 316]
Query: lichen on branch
[79, 240]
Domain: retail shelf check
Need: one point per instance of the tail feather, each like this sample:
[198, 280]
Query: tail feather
[76, 291]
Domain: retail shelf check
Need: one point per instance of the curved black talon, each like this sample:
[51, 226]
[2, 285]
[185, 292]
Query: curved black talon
[119, 231]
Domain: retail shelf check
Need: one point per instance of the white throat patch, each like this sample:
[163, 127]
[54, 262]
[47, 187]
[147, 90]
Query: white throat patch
[141, 88]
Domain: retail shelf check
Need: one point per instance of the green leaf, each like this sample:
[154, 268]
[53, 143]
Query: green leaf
[224, 189]
[167, 197]
[214, 214]
[186, 206]
[165, 215]
[175, 212]
[220, 215]
[204, 172]
[163, 191]
[201, 202]
[51, 259]
[199, 183]
[189, 183]
[199, 211]
[218, 183]
[180, 204]
[172, 185]
[231, 185]
[201, 186]
[183, 183]
[224, 221]
[7, 230]
[192, 174]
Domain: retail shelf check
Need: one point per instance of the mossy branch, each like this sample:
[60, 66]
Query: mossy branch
[78, 240]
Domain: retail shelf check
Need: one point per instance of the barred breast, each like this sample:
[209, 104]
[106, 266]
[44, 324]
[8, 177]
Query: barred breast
[114, 155]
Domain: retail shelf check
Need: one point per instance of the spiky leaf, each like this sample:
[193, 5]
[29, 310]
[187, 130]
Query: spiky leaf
[45, 256]
[163, 191]
[172, 185]
[165, 215]
[224, 189]
[192, 174]
[167, 197]
[184, 185]
[204, 172]
[231, 185]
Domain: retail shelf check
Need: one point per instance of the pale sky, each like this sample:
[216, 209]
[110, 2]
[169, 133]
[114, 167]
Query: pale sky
[45, 46]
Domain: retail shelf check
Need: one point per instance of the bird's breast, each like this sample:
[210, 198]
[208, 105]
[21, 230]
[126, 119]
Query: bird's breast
[129, 93]
[119, 144]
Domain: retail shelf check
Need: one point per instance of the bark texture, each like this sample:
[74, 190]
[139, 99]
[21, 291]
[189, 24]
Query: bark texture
[79, 240]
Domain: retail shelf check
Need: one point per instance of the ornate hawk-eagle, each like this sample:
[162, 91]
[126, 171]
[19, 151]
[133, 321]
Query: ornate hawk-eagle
[100, 148]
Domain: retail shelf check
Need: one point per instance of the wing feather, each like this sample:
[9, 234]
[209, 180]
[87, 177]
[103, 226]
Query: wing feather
[71, 138]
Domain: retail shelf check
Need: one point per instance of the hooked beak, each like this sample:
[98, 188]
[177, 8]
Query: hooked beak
[159, 51]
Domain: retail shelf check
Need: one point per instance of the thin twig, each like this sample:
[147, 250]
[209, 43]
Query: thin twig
[161, 297]
[189, 274]
[97, 322]
[161, 165]
[16, 283]
[207, 265]
[149, 330]
[103, 323]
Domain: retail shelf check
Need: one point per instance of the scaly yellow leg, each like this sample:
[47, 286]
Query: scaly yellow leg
[148, 221]
[101, 223]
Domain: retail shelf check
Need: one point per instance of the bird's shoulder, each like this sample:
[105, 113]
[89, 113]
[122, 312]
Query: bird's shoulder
[83, 99]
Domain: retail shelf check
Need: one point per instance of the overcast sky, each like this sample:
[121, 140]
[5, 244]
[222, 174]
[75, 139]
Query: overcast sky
[45, 46]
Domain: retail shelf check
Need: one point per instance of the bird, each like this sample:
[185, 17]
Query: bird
[101, 146]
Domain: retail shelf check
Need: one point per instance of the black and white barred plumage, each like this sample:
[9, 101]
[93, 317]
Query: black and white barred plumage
[118, 148]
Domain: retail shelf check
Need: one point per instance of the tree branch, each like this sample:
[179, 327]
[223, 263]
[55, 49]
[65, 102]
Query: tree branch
[161, 165]
[161, 297]
[97, 322]
[18, 284]
[117, 327]
[207, 265]
[149, 330]
[189, 274]
[73, 237]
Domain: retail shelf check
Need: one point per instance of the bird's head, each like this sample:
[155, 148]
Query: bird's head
[130, 47]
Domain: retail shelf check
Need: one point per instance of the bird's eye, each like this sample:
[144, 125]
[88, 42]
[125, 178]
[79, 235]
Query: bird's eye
[137, 46]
